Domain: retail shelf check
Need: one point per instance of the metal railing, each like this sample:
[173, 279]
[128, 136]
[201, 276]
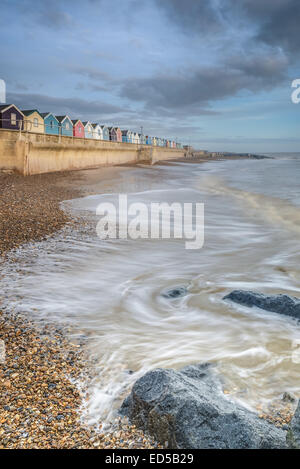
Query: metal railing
[27, 126]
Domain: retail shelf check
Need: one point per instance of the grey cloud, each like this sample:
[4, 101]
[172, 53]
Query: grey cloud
[55, 19]
[279, 22]
[197, 89]
[276, 22]
[193, 15]
[75, 107]
[260, 70]
[89, 72]
[52, 14]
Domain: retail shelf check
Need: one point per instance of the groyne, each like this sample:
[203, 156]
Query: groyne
[31, 153]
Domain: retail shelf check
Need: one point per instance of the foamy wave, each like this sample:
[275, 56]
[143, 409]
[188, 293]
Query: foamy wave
[272, 209]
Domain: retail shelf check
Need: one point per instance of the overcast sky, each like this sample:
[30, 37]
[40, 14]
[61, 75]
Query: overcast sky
[215, 73]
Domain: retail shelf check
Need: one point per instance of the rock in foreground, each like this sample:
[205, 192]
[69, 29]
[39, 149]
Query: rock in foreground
[188, 409]
[293, 436]
[281, 304]
[175, 293]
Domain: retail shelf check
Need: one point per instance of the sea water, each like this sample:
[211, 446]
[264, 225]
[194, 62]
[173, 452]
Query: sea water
[112, 292]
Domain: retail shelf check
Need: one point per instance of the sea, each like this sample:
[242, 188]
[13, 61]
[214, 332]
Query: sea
[112, 294]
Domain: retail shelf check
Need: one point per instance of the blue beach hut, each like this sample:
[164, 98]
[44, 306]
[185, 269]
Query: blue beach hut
[65, 126]
[105, 132]
[51, 123]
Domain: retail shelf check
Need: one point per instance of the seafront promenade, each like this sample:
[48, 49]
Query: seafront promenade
[31, 153]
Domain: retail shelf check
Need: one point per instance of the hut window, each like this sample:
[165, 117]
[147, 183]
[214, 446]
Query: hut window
[35, 122]
[13, 119]
[67, 125]
[79, 130]
[51, 124]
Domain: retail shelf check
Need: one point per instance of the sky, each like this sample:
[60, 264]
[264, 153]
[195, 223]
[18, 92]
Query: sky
[215, 74]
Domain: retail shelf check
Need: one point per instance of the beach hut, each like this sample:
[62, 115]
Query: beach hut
[88, 129]
[105, 132]
[51, 124]
[112, 134]
[97, 132]
[11, 117]
[33, 121]
[148, 140]
[119, 134]
[78, 128]
[127, 136]
[115, 134]
[135, 137]
[154, 141]
[65, 126]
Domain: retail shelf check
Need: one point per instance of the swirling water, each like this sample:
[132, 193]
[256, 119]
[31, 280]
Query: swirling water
[111, 292]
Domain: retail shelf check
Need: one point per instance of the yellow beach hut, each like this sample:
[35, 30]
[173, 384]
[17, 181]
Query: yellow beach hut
[33, 121]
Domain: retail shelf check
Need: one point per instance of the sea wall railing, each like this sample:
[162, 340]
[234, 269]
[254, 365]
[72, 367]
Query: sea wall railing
[31, 126]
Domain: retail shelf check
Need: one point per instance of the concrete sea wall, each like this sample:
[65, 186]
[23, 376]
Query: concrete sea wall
[30, 153]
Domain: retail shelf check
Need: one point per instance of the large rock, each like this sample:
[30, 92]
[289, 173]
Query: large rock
[282, 304]
[293, 436]
[175, 292]
[188, 409]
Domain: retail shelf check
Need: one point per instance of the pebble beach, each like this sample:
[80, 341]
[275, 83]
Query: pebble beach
[40, 376]
[44, 376]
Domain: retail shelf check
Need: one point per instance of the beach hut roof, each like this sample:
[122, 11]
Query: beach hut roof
[5, 107]
[62, 118]
[46, 114]
[28, 112]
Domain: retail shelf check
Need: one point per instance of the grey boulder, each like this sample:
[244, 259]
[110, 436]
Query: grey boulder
[175, 293]
[188, 409]
[281, 304]
[293, 436]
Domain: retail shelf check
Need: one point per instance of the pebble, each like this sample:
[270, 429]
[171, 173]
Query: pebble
[40, 404]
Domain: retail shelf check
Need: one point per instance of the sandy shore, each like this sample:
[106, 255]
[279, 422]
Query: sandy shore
[39, 398]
